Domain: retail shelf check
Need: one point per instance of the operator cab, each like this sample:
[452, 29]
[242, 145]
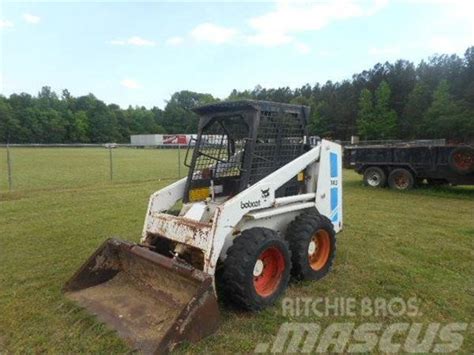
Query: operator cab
[241, 142]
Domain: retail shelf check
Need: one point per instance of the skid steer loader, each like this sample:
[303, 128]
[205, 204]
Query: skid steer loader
[258, 205]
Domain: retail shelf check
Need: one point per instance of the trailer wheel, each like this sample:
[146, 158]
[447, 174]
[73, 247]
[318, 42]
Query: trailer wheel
[374, 177]
[256, 270]
[461, 160]
[313, 246]
[401, 179]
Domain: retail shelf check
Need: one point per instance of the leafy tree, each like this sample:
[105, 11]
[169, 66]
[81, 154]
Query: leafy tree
[366, 116]
[376, 120]
[411, 122]
[80, 130]
[389, 100]
[178, 117]
[386, 116]
[54, 127]
[447, 117]
[9, 125]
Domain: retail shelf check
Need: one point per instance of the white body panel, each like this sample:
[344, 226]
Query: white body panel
[329, 184]
[213, 232]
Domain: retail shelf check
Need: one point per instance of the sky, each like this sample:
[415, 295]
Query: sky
[140, 53]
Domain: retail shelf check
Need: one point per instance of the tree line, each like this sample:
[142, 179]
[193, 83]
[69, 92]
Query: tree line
[400, 100]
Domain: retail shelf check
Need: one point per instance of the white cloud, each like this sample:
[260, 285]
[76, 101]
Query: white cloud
[376, 6]
[208, 32]
[31, 19]
[130, 84]
[138, 41]
[453, 31]
[5, 24]
[133, 41]
[302, 48]
[278, 26]
[174, 41]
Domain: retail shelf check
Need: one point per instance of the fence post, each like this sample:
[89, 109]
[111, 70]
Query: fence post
[9, 169]
[111, 166]
[179, 161]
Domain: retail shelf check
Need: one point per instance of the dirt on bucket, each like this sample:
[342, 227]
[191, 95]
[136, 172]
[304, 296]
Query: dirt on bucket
[152, 301]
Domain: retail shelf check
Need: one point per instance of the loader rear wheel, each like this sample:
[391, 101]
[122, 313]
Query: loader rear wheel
[256, 270]
[313, 245]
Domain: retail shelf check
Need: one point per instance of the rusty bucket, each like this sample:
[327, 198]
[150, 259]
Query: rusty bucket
[152, 301]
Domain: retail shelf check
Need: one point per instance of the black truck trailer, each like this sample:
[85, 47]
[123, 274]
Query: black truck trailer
[405, 166]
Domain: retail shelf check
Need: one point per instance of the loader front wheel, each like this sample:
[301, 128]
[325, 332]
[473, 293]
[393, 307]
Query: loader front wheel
[313, 245]
[256, 270]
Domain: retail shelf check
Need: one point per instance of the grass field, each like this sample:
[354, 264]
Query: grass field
[418, 243]
[52, 168]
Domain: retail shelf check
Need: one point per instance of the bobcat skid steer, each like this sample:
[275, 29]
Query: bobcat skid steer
[258, 205]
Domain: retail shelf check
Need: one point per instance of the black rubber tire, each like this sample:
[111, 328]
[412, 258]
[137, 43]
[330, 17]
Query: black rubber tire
[237, 279]
[299, 235]
[401, 179]
[467, 154]
[375, 177]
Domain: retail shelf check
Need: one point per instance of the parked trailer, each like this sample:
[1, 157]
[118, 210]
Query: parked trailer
[403, 167]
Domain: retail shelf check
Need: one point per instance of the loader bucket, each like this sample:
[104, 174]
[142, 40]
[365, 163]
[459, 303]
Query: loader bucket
[152, 301]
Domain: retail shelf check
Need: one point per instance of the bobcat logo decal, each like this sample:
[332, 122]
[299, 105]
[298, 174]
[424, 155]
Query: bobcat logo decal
[265, 193]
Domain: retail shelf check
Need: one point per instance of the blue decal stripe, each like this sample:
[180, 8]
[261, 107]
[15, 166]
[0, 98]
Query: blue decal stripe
[334, 204]
[333, 165]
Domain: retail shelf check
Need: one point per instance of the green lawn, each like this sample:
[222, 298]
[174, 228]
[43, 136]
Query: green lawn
[394, 244]
[52, 168]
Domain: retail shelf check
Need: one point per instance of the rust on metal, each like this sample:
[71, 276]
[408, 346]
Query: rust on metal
[181, 229]
[152, 301]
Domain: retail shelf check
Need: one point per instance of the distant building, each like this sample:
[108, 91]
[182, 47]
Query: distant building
[147, 140]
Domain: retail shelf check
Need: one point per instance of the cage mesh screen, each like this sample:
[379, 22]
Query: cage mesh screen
[279, 141]
[221, 148]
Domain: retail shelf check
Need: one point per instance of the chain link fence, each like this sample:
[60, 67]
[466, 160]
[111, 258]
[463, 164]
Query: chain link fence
[44, 166]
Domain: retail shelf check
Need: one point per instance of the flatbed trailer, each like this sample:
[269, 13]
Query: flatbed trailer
[405, 166]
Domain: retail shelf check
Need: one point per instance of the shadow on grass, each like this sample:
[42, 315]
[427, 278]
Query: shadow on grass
[20, 194]
[448, 191]
[460, 192]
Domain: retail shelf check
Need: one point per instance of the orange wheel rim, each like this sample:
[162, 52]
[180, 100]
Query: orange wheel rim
[319, 249]
[268, 271]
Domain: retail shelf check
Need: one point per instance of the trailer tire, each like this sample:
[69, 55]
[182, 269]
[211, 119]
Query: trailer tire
[461, 160]
[256, 270]
[312, 242]
[401, 179]
[374, 177]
